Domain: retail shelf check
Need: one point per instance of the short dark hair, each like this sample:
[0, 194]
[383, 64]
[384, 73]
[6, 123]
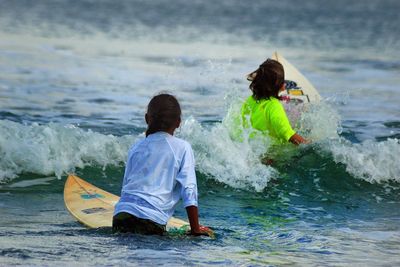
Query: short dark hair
[163, 112]
[269, 78]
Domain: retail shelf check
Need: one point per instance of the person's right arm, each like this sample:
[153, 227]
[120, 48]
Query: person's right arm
[281, 125]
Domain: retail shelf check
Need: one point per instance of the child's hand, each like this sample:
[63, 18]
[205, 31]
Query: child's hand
[298, 139]
[203, 230]
[206, 230]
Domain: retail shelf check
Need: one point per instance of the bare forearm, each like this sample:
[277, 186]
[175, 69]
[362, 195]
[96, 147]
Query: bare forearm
[195, 227]
[193, 216]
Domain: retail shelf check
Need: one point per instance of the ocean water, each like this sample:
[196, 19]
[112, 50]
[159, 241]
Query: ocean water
[75, 79]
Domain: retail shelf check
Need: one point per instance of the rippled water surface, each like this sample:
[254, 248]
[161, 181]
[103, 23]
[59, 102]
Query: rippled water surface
[75, 79]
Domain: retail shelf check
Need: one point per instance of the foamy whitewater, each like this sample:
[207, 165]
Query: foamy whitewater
[56, 149]
[75, 80]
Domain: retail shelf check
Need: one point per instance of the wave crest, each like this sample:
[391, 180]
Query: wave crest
[55, 149]
[371, 161]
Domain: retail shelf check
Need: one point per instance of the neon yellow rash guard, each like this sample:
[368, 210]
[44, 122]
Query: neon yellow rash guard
[267, 115]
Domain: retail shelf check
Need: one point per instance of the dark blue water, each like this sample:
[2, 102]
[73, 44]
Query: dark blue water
[75, 79]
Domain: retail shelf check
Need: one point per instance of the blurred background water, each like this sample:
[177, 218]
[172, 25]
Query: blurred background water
[75, 79]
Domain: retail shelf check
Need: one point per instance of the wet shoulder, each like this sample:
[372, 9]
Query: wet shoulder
[273, 104]
[178, 143]
[250, 101]
[180, 147]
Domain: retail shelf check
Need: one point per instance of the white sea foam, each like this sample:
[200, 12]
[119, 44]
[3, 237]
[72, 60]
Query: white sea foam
[235, 160]
[55, 149]
[237, 163]
[316, 121]
[370, 160]
[234, 163]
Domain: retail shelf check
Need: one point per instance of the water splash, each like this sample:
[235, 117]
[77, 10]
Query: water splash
[234, 163]
[226, 152]
[317, 121]
[55, 149]
[371, 161]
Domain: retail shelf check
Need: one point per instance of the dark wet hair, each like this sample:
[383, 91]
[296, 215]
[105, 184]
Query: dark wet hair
[163, 112]
[269, 78]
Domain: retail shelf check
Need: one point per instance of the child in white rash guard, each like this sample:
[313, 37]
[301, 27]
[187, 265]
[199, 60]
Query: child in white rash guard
[158, 173]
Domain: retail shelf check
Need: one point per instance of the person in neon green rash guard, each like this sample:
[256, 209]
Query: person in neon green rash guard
[263, 107]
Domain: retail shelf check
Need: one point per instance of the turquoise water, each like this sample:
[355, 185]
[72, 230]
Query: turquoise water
[75, 80]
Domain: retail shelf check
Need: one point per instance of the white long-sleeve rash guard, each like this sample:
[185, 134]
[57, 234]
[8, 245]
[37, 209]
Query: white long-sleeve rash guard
[159, 172]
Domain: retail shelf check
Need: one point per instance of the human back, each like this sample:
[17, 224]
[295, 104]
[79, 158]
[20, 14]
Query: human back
[269, 117]
[153, 174]
[262, 110]
[159, 172]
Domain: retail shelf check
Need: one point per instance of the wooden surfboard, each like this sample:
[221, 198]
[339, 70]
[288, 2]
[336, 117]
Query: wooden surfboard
[94, 207]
